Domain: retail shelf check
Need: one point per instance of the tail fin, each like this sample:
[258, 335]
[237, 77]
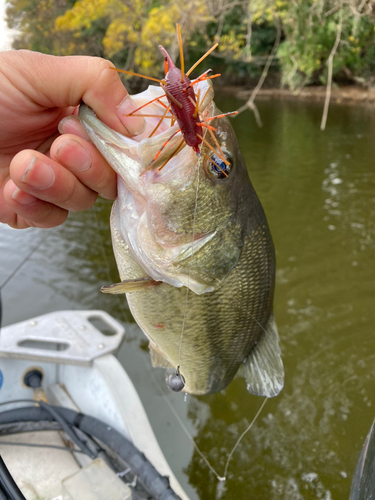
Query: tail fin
[264, 370]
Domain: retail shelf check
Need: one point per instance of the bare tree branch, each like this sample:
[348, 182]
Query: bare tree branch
[332, 11]
[293, 71]
[330, 70]
[250, 103]
[248, 34]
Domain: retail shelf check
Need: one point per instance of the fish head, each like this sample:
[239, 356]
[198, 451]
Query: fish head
[180, 214]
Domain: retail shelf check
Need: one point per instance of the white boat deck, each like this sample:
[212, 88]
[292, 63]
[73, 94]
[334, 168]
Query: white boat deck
[79, 372]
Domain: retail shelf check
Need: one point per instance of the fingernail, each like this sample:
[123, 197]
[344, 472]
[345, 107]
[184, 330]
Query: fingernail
[66, 124]
[72, 125]
[22, 197]
[75, 156]
[38, 174]
[135, 125]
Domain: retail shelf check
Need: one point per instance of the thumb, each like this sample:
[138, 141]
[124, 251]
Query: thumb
[52, 81]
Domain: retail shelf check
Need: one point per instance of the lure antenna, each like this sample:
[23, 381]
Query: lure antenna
[181, 52]
[135, 74]
[202, 58]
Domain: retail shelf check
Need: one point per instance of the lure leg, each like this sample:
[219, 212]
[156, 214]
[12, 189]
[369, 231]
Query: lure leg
[206, 126]
[221, 155]
[221, 116]
[177, 150]
[160, 150]
[213, 150]
[147, 103]
[160, 121]
[214, 162]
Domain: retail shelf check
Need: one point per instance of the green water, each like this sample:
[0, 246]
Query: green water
[318, 191]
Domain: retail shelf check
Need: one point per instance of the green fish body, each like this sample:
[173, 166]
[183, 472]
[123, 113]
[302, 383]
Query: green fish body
[194, 253]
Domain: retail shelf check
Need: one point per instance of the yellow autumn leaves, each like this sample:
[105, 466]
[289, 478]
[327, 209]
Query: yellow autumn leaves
[134, 27]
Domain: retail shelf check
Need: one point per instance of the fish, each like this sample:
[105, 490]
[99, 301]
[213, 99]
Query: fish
[193, 249]
[363, 484]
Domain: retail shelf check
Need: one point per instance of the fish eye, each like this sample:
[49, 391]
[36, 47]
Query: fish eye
[218, 168]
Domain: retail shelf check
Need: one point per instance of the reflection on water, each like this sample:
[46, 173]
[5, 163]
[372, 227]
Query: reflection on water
[318, 191]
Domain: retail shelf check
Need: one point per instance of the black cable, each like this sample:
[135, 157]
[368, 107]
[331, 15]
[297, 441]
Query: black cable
[3, 495]
[8, 484]
[116, 463]
[18, 428]
[157, 485]
[67, 428]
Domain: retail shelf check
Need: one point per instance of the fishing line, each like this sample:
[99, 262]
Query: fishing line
[224, 477]
[28, 256]
[188, 284]
[191, 439]
[242, 435]
[19, 267]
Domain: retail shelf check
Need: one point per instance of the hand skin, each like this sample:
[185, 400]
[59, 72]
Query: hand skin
[44, 175]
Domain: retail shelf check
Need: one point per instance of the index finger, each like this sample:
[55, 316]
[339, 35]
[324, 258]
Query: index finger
[53, 81]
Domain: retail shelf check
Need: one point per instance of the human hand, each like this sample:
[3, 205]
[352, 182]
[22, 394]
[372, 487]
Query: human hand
[44, 175]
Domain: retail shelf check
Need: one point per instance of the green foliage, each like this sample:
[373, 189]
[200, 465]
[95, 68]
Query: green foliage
[310, 28]
[129, 32]
[36, 19]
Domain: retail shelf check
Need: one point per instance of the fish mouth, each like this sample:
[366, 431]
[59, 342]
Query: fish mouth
[159, 130]
[147, 190]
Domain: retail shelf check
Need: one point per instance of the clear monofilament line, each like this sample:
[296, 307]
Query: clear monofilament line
[190, 437]
[188, 283]
[224, 477]
[179, 420]
[240, 438]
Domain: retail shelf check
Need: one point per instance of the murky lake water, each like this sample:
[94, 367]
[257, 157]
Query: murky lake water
[318, 191]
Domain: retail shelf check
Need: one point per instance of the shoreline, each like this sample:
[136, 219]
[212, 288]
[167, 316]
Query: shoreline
[350, 94]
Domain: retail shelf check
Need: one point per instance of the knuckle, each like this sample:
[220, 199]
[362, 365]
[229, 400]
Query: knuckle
[50, 216]
[101, 185]
[69, 195]
[105, 181]
[88, 201]
[79, 198]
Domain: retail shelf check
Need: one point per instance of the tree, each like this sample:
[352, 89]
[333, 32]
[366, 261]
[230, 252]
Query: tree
[129, 32]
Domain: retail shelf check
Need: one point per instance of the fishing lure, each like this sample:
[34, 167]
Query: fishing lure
[183, 107]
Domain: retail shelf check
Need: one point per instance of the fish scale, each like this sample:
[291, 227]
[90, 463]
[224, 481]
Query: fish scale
[215, 337]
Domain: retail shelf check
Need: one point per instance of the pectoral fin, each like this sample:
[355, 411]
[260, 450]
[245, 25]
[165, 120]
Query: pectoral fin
[130, 285]
[264, 370]
[157, 358]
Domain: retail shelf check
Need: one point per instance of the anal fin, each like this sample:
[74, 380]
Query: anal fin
[130, 285]
[263, 368]
[158, 360]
